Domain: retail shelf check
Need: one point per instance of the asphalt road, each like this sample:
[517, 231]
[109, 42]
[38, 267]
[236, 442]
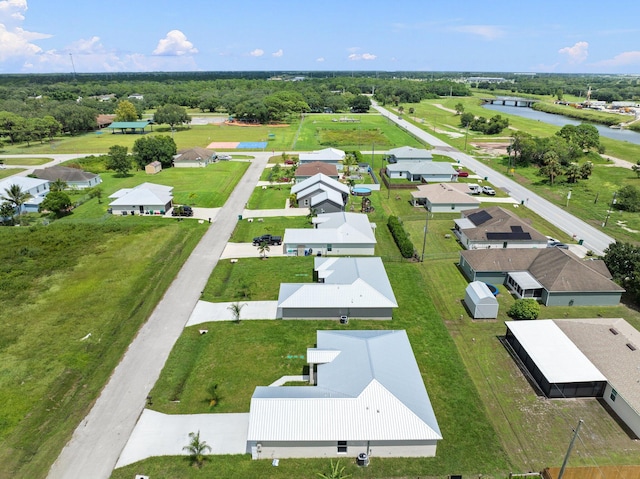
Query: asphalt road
[593, 238]
[99, 439]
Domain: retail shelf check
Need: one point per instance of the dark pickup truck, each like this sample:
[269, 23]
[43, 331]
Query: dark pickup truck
[269, 239]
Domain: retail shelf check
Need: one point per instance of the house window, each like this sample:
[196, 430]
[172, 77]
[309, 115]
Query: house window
[342, 447]
[613, 396]
[329, 247]
[306, 202]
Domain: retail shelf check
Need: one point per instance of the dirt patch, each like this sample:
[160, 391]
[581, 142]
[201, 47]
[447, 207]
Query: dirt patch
[493, 149]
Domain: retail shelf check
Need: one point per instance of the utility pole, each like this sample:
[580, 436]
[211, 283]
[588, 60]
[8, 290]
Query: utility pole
[566, 457]
[73, 66]
[613, 202]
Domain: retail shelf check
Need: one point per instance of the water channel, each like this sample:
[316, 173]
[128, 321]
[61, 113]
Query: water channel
[560, 120]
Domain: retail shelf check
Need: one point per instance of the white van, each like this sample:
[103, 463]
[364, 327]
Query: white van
[475, 189]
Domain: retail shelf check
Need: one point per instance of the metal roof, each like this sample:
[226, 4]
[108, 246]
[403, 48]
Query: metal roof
[422, 167]
[348, 282]
[146, 194]
[327, 154]
[555, 355]
[480, 293]
[24, 182]
[372, 390]
[330, 195]
[525, 280]
[334, 228]
[410, 152]
[320, 178]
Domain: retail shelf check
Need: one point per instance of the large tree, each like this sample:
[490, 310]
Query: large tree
[623, 262]
[552, 167]
[126, 111]
[57, 202]
[360, 104]
[160, 148]
[171, 115]
[118, 160]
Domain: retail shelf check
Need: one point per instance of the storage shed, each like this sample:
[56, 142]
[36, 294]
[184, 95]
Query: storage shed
[480, 301]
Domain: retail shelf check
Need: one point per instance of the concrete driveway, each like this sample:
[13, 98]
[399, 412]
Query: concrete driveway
[205, 311]
[247, 250]
[158, 434]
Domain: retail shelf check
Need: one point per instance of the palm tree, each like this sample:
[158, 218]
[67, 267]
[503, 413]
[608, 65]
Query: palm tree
[336, 472]
[196, 449]
[263, 249]
[58, 185]
[236, 310]
[16, 197]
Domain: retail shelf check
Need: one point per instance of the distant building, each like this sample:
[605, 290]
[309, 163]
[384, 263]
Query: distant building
[194, 158]
[75, 178]
[37, 188]
[153, 168]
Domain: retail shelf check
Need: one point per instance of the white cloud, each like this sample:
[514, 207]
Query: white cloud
[488, 32]
[175, 44]
[320, 59]
[15, 42]
[577, 53]
[257, 53]
[363, 56]
[12, 10]
[86, 47]
[279, 53]
[623, 59]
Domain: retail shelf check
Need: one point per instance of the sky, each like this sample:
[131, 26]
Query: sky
[559, 36]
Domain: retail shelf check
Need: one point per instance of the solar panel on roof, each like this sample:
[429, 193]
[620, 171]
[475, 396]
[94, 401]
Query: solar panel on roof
[516, 228]
[508, 236]
[480, 217]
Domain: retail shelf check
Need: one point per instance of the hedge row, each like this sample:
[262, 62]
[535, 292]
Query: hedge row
[400, 236]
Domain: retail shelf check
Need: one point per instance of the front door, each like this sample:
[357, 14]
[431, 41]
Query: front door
[141, 209]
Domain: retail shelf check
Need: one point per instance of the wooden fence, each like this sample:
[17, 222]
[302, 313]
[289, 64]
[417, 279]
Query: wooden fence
[603, 472]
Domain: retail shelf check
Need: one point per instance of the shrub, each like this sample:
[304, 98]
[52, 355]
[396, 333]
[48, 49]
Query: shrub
[526, 308]
[400, 236]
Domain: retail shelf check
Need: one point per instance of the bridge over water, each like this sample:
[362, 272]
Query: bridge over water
[509, 101]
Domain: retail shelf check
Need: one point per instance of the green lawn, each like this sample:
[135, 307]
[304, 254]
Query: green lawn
[245, 231]
[208, 187]
[58, 284]
[6, 172]
[26, 161]
[272, 197]
[372, 132]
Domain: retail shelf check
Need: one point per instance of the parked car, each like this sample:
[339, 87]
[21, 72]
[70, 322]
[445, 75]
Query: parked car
[269, 239]
[557, 244]
[487, 190]
[463, 174]
[289, 162]
[182, 211]
[224, 157]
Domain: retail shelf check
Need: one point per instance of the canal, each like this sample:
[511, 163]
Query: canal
[560, 120]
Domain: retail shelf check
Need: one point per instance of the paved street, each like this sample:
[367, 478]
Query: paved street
[593, 238]
[100, 438]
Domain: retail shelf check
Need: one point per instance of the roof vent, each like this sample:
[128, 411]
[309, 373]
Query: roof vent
[613, 331]
[631, 346]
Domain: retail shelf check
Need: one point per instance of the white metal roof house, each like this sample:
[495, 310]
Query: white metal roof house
[422, 170]
[35, 187]
[327, 155]
[335, 234]
[353, 287]
[480, 301]
[74, 178]
[146, 198]
[445, 197]
[408, 153]
[370, 398]
[322, 193]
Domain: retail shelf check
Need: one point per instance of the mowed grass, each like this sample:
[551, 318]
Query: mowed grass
[6, 172]
[271, 197]
[58, 285]
[208, 187]
[26, 161]
[371, 132]
[245, 231]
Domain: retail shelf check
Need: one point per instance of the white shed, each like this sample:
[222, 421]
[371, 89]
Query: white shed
[480, 300]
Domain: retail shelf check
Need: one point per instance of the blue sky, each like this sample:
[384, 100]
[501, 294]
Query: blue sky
[561, 36]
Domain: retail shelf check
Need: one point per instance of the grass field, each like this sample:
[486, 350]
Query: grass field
[273, 197]
[25, 161]
[6, 172]
[59, 284]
